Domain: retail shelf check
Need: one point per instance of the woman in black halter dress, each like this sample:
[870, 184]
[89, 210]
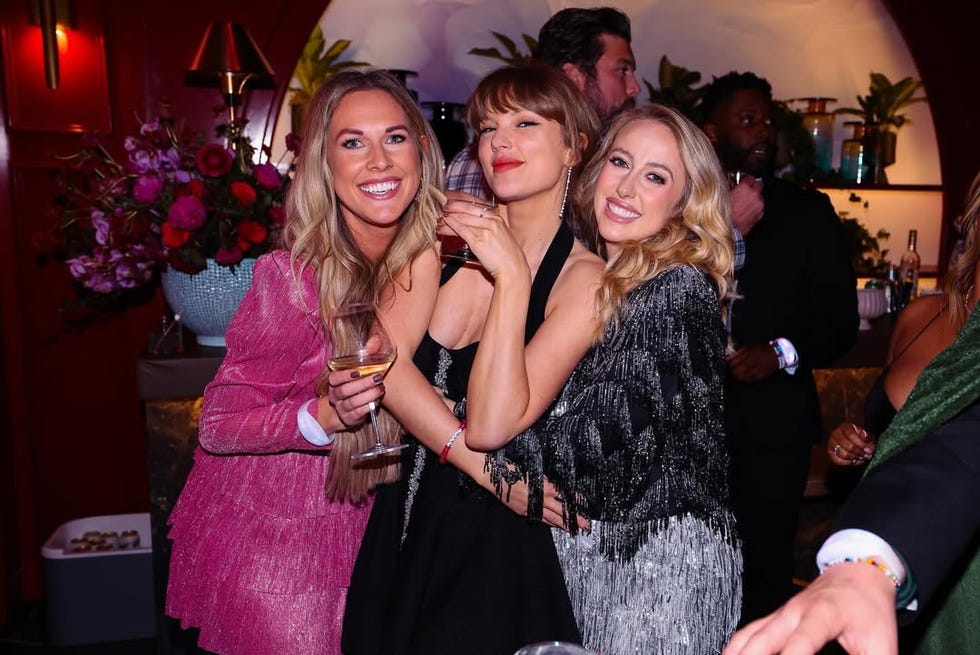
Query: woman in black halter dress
[445, 566]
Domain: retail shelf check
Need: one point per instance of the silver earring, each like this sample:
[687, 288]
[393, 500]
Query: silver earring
[564, 197]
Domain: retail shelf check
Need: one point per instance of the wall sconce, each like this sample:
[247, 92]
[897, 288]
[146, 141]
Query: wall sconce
[51, 15]
[228, 58]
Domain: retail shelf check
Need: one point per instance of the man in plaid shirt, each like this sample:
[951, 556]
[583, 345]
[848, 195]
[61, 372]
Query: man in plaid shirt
[592, 47]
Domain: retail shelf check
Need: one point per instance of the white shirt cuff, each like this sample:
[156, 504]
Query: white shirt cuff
[311, 430]
[856, 543]
[789, 353]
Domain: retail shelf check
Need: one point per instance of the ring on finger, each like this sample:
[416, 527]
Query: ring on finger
[836, 449]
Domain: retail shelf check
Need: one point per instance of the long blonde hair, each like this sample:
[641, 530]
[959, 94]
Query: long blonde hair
[698, 234]
[317, 236]
[959, 279]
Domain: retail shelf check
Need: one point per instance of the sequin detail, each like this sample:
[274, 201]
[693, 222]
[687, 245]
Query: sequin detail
[637, 444]
[667, 598]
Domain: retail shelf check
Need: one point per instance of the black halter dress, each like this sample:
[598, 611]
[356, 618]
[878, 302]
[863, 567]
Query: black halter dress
[444, 566]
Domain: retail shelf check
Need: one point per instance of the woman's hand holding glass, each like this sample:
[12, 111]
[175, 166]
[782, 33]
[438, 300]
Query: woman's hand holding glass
[352, 396]
[486, 231]
[850, 445]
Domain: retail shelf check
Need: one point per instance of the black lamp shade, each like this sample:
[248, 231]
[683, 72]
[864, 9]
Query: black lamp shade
[227, 50]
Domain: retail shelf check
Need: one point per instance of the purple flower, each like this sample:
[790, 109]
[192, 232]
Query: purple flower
[78, 268]
[143, 161]
[187, 213]
[149, 127]
[147, 188]
[131, 143]
[267, 176]
[103, 229]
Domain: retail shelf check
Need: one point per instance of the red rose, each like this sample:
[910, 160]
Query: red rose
[251, 231]
[228, 256]
[277, 215]
[174, 237]
[193, 188]
[244, 193]
[214, 160]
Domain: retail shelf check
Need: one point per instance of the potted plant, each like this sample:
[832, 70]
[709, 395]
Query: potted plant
[316, 63]
[881, 108]
[512, 55]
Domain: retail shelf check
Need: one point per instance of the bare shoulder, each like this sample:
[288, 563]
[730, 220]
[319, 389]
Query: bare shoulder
[581, 267]
[914, 317]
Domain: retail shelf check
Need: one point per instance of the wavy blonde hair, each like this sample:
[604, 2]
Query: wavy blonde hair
[547, 92]
[699, 233]
[959, 279]
[318, 237]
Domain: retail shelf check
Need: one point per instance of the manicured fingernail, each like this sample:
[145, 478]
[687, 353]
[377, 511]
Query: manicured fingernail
[355, 374]
[378, 377]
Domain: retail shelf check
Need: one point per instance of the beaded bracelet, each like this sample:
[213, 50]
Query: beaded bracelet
[449, 444]
[873, 561]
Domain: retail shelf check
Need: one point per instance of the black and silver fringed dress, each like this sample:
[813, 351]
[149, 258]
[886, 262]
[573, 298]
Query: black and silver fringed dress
[637, 444]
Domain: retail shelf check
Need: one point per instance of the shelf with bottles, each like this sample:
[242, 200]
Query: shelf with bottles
[914, 208]
[850, 186]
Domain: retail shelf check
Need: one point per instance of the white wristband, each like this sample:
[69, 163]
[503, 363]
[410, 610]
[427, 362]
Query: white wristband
[310, 428]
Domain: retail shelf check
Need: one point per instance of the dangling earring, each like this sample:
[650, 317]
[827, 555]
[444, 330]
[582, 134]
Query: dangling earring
[564, 197]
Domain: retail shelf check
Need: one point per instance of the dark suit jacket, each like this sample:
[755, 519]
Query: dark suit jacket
[924, 502]
[797, 283]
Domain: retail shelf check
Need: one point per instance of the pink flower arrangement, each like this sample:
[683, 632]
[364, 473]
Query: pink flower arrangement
[171, 202]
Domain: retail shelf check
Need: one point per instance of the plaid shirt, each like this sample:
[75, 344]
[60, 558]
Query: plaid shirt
[464, 173]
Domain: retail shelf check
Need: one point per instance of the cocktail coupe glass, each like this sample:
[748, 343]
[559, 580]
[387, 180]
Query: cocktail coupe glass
[361, 343]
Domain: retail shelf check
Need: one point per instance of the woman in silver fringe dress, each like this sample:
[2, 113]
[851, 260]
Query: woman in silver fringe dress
[636, 442]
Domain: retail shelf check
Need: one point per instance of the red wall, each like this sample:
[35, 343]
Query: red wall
[71, 434]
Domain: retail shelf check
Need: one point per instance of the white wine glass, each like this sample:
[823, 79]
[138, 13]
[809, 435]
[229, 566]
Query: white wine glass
[361, 343]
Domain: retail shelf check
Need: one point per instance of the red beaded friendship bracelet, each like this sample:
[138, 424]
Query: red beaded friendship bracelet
[449, 444]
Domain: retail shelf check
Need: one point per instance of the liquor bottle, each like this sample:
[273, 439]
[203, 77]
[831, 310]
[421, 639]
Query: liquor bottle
[909, 270]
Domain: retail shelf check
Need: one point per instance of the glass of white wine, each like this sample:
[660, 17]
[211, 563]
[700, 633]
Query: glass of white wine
[361, 343]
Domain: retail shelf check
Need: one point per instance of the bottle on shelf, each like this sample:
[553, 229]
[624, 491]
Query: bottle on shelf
[857, 156]
[893, 290]
[909, 270]
[819, 124]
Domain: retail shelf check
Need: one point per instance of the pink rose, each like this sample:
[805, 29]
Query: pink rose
[267, 176]
[187, 213]
[147, 188]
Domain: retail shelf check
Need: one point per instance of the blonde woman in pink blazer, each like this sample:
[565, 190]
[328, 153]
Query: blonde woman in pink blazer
[270, 520]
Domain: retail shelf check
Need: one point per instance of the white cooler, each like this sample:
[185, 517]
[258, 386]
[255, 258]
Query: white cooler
[99, 596]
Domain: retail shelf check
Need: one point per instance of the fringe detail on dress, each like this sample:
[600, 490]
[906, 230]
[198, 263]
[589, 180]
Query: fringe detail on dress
[680, 594]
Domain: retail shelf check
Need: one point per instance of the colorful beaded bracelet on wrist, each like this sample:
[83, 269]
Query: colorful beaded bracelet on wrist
[449, 444]
[873, 561]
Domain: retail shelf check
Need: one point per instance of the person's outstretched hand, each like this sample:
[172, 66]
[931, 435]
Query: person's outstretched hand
[853, 603]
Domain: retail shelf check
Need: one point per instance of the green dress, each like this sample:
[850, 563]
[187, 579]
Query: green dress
[949, 384]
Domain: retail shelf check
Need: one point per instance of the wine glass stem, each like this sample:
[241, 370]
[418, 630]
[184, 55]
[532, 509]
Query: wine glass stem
[374, 424]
